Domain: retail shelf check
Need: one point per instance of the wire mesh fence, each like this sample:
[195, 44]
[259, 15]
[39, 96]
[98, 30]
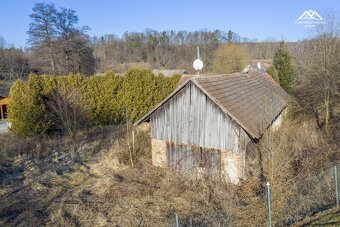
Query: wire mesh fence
[300, 199]
[311, 195]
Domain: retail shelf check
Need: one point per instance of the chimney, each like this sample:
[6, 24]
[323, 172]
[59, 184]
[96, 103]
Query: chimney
[259, 66]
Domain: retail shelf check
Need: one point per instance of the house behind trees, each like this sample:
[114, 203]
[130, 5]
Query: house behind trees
[4, 101]
[210, 124]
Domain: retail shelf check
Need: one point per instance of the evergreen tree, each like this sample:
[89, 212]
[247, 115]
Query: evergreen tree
[273, 73]
[283, 64]
[230, 35]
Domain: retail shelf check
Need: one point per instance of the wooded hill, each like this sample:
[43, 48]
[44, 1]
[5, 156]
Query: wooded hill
[58, 45]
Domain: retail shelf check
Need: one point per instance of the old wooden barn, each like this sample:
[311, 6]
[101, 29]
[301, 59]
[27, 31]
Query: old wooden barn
[209, 123]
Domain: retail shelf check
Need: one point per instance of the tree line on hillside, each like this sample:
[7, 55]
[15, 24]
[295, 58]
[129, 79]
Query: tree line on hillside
[59, 46]
[166, 49]
[13, 62]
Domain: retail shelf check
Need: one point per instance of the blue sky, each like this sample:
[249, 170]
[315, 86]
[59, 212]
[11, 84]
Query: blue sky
[266, 19]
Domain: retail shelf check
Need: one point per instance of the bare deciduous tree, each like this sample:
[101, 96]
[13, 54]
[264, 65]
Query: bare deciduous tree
[54, 35]
[42, 30]
[66, 111]
[319, 72]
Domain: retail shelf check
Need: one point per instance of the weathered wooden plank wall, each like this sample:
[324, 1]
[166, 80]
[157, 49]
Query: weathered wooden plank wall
[190, 117]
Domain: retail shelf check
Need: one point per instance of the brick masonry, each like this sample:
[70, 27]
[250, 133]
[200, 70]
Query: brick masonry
[159, 153]
[231, 162]
[232, 166]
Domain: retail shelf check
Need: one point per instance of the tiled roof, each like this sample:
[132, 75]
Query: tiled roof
[251, 99]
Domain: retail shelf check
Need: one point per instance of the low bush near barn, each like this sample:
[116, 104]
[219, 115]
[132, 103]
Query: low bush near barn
[101, 100]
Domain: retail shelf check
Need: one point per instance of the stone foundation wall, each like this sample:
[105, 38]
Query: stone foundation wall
[159, 153]
[232, 166]
[232, 163]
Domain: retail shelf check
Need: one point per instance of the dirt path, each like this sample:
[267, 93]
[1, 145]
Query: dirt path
[3, 126]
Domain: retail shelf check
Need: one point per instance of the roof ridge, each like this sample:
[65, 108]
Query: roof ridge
[206, 76]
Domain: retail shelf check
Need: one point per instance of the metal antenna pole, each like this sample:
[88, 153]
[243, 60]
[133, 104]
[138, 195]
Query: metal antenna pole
[198, 63]
[269, 211]
[198, 57]
[336, 185]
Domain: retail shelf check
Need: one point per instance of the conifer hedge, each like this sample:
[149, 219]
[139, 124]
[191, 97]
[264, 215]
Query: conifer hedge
[111, 99]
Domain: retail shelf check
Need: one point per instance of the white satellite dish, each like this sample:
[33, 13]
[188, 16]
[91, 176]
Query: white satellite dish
[198, 63]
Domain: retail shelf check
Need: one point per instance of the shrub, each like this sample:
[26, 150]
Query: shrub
[26, 108]
[229, 58]
[141, 91]
[66, 112]
[107, 99]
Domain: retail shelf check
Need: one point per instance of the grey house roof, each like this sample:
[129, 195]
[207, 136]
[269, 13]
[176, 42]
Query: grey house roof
[169, 72]
[252, 99]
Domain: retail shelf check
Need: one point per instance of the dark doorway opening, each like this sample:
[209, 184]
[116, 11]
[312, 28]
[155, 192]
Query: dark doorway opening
[3, 111]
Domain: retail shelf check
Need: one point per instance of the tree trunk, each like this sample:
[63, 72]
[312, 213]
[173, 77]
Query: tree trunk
[53, 64]
[327, 115]
[128, 142]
